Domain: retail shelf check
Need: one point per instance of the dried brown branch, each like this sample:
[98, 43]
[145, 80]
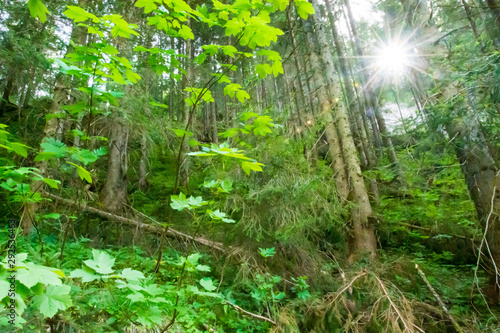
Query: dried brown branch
[363, 273]
[441, 303]
[140, 225]
[392, 303]
[250, 313]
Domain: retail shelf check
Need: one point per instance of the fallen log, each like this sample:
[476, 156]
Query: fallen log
[137, 224]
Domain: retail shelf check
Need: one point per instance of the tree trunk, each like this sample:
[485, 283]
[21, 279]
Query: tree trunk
[114, 191]
[213, 120]
[370, 96]
[363, 230]
[351, 98]
[494, 6]
[296, 61]
[463, 128]
[143, 165]
[325, 115]
[7, 91]
[470, 18]
[184, 158]
[61, 93]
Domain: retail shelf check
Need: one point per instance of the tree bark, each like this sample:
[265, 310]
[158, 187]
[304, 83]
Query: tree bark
[470, 18]
[114, 191]
[143, 164]
[494, 6]
[370, 96]
[363, 231]
[325, 115]
[354, 107]
[463, 128]
[61, 93]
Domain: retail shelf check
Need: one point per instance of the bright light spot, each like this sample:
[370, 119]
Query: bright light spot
[392, 59]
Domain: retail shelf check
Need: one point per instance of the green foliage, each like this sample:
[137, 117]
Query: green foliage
[38, 9]
[267, 252]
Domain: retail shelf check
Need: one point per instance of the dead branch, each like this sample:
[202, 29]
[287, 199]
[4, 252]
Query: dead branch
[441, 303]
[412, 226]
[363, 273]
[392, 303]
[250, 313]
[147, 227]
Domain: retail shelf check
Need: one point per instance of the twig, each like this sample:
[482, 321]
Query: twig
[441, 303]
[391, 302]
[363, 273]
[250, 313]
[485, 241]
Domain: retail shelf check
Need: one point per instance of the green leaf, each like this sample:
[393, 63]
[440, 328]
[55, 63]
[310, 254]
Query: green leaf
[203, 268]
[78, 14]
[229, 50]
[101, 263]
[131, 274]
[226, 186]
[149, 316]
[109, 49]
[55, 298]
[180, 132]
[218, 215]
[52, 182]
[33, 274]
[208, 284]
[241, 95]
[304, 8]
[149, 5]
[277, 68]
[4, 289]
[179, 202]
[247, 115]
[43, 156]
[38, 9]
[84, 274]
[51, 145]
[52, 216]
[263, 69]
[234, 27]
[84, 174]
[186, 32]
[269, 252]
[18, 148]
[251, 166]
[303, 294]
[136, 297]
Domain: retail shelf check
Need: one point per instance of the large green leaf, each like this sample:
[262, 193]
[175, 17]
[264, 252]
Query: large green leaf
[84, 274]
[208, 284]
[102, 262]
[84, 174]
[33, 274]
[38, 9]
[55, 298]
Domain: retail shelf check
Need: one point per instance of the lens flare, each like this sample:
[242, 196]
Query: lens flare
[392, 59]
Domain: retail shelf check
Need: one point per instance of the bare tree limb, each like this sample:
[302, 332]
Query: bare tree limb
[147, 227]
[441, 303]
[250, 313]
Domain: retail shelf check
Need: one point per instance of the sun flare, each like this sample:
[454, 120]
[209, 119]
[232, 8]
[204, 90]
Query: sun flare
[392, 59]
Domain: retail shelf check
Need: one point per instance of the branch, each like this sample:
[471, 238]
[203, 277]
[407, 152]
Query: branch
[147, 227]
[363, 273]
[441, 303]
[250, 313]
[392, 303]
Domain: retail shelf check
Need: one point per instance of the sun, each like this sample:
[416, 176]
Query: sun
[392, 59]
